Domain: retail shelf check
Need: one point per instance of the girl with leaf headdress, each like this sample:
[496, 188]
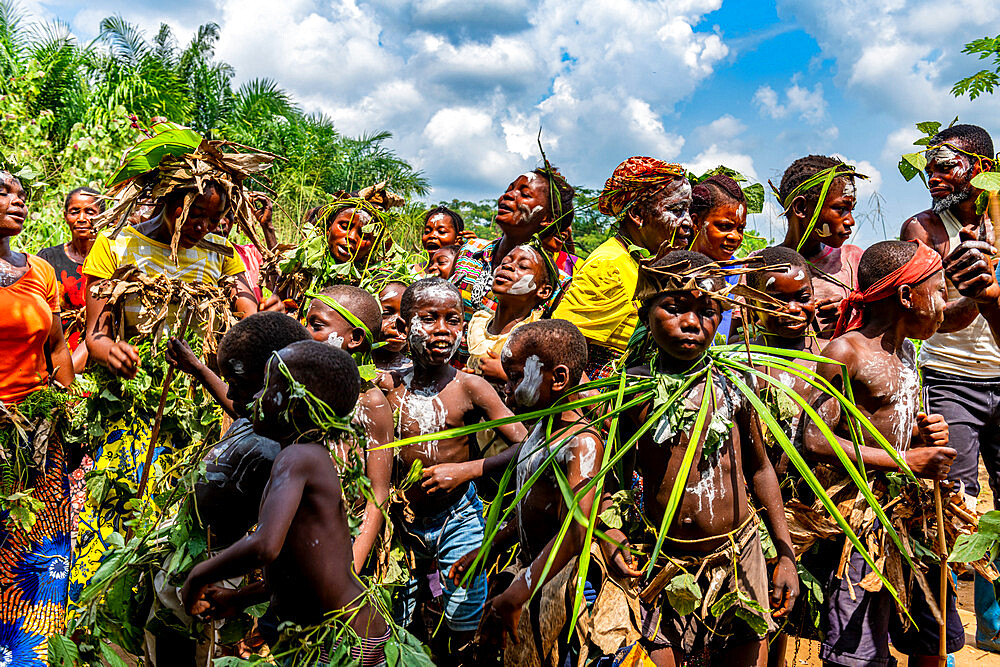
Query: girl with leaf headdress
[145, 281]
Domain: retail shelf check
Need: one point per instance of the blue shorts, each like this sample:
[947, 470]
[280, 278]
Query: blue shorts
[443, 539]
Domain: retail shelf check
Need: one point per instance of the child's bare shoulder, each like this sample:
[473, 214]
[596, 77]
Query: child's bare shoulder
[373, 400]
[844, 349]
[475, 386]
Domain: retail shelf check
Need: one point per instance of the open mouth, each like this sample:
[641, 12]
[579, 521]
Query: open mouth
[440, 346]
[432, 244]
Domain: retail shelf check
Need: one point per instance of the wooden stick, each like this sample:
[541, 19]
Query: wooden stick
[158, 421]
[943, 587]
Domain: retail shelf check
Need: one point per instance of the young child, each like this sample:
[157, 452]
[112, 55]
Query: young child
[521, 285]
[443, 227]
[714, 531]
[346, 317]
[793, 287]
[392, 355]
[544, 362]
[900, 295]
[440, 527]
[302, 540]
[442, 262]
[719, 213]
[833, 261]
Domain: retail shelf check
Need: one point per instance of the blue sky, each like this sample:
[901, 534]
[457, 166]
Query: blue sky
[464, 86]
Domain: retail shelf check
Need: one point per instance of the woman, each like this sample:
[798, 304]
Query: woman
[148, 247]
[80, 207]
[34, 566]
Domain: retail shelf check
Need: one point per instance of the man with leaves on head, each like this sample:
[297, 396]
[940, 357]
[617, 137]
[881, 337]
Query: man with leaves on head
[961, 363]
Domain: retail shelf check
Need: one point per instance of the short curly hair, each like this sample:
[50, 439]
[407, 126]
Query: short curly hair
[802, 170]
[456, 219]
[359, 303]
[327, 372]
[426, 287]
[973, 138]
[554, 342]
[772, 256]
[253, 339]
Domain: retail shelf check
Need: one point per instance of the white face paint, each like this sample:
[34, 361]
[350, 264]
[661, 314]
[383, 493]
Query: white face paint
[237, 366]
[526, 392]
[770, 281]
[524, 285]
[740, 210]
[799, 276]
[707, 285]
[335, 340]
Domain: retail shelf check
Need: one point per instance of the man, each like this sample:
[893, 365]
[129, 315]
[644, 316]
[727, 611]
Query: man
[961, 363]
[650, 199]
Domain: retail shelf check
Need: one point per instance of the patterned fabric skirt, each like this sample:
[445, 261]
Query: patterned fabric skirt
[123, 453]
[34, 568]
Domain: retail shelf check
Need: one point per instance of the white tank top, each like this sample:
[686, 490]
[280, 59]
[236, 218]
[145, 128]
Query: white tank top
[971, 352]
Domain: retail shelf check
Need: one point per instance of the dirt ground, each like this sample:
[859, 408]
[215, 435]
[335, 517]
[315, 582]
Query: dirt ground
[808, 652]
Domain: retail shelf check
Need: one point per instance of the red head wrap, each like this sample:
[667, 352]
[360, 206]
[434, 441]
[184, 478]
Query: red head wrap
[924, 264]
[634, 178]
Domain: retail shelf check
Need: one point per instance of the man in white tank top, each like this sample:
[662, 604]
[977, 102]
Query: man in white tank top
[961, 363]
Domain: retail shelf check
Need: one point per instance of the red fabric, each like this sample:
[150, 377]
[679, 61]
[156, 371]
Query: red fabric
[634, 178]
[924, 264]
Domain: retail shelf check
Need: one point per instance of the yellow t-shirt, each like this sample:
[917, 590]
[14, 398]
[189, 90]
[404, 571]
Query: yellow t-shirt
[599, 300]
[194, 265]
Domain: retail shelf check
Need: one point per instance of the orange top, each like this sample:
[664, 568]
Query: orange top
[27, 309]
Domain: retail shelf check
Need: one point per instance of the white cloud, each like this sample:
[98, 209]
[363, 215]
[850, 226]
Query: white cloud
[808, 105]
[725, 128]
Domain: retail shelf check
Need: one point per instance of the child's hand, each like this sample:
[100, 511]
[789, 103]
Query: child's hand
[618, 558]
[123, 360]
[930, 462]
[458, 570]
[508, 610]
[445, 477]
[491, 368]
[784, 587]
[932, 430]
[181, 356]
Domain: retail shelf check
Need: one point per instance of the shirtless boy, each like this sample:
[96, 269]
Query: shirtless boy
[302, 540]
[714, 509]
[901, 295]
[430, 397]
[544, 362]
[347, 317]
[832, 261]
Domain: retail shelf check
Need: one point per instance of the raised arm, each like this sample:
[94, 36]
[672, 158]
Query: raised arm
[242, 297]
[484, 396]
[971, 271]
[378, 425]
[961, 312]
[180, 355]
[261, 547]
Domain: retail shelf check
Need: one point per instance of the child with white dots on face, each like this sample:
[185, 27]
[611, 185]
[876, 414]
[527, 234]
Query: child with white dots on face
[445, 520]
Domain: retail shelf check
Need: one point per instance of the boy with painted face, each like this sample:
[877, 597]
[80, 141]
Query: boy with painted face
[544, 362]
[302, 541]
[900, 295]
[791, 283]
[440, 526]
[714, 532]
[345, 317]
[391, 356]
[832, 261]
[521, 285]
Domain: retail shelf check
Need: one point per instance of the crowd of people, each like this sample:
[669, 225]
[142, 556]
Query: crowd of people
[492, 446]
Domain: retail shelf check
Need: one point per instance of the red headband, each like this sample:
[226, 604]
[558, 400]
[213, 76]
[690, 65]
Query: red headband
[924, 264]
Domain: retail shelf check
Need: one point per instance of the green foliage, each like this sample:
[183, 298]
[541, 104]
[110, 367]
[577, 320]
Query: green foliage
[985, 80]
[683, 593]
[71, 110]
[22, 509]
[983, 542]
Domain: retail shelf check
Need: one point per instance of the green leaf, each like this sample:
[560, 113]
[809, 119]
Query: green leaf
[929, 127]
[63, 652]
[683, 593]
[147, 154]
[907, 170]
[755, 198]
[989, 523]
[987, 180]
[918, 160]
[110, 657]
[258, 610]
